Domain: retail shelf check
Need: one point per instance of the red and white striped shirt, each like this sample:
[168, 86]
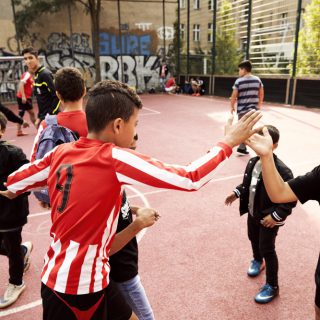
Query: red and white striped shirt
[85, 179]
[27, 80]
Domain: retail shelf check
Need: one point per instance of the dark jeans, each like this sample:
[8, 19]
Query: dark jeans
[263, 246]
[10, 246]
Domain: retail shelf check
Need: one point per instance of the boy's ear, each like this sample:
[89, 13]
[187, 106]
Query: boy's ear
[117, 125]
[275, 146]
[58, 95]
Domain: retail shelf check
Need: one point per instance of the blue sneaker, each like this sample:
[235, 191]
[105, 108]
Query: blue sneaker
[255, 268]
[266, 294]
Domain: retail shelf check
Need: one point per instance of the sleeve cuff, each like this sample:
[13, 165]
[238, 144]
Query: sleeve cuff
[226, 148]
[237, 193]
[275, 216]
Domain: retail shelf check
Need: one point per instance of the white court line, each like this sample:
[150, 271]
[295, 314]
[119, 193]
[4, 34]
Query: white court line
[146, 203]
[21, 308]
[152, 110]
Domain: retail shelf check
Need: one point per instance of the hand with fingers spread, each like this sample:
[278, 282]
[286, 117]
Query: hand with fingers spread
[230, 199]
[261, 143]
[236, 133]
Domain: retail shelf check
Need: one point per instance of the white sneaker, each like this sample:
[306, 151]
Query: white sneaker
[29, 246]
[11, 294]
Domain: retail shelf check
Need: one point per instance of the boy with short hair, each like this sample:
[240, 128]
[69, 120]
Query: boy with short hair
[85, 180]
[248, 93]
[44, 89]
[70, 89]
[13, 216]
[264, 219]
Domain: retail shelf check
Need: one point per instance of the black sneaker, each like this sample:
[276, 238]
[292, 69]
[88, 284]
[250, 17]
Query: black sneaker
[242, 151]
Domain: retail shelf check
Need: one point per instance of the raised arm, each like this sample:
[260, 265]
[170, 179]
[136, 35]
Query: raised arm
[278, 190]
[134, 168]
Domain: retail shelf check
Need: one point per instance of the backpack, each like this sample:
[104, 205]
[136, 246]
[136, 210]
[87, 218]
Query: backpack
[52, 136]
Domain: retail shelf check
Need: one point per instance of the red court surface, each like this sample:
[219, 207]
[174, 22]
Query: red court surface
[193, 262]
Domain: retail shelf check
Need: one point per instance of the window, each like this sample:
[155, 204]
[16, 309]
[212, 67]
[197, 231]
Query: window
[182, 4]
[210, 5]
[182, 31]
[196, 32]
[284, 18]
[196, 4]
[210, 32]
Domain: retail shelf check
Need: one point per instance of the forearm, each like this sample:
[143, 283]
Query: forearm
[276, 188]
[261, 97]
[155, 173]
[233, 102]
[21, 89]
[123, 237]
[10, 115]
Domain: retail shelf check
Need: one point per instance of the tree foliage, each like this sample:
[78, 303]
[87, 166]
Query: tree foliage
[28, 13]
[308, 62]
[227, 53]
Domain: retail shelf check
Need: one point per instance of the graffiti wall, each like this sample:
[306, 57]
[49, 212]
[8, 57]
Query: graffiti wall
[10, 71]
[139, 71]
[139, 49]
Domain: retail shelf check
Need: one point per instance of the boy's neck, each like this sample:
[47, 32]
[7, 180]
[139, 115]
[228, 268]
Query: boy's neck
[247, 74]
[72, 105]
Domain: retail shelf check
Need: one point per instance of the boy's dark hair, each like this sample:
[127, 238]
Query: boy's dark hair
[274, 133]
[69, 83]
[31, 51]
[109, 100]
[3, 121]
[245, 65]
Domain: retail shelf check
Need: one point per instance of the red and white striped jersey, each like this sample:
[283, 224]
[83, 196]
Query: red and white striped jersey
[85, 179]
[27, 80]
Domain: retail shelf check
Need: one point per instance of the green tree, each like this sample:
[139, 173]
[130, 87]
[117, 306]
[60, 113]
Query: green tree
[227, 53]
[308, 62]
[29, 11]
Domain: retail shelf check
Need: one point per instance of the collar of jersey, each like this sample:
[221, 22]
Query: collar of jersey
[90, 142]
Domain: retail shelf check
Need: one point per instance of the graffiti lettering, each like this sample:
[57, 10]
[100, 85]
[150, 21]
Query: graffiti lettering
[139, 71]
[131, 44]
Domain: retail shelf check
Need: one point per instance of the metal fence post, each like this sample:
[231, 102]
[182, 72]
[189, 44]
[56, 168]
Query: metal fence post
[214, 32]
[249, 29]
[188, 38]
[295, 55]
[164, 29]
[178, 36]
[120, 40]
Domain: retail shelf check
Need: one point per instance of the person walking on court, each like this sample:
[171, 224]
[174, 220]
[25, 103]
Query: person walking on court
[13, 216]
[255, 201]
[248, 94]
[24, 99]
[44, 89]
[12, 117]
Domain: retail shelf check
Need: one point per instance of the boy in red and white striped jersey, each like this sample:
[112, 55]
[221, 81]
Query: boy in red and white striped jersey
[85, 180]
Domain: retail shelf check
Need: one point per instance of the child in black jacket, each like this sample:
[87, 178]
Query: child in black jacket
[264, 219]
[13, 215]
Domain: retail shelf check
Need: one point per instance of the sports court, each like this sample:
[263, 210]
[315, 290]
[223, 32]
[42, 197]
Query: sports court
[193, 261]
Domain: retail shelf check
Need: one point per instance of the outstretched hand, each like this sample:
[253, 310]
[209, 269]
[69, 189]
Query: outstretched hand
[8, 194]
[261, 143]
[236, 133]
[230, 199]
